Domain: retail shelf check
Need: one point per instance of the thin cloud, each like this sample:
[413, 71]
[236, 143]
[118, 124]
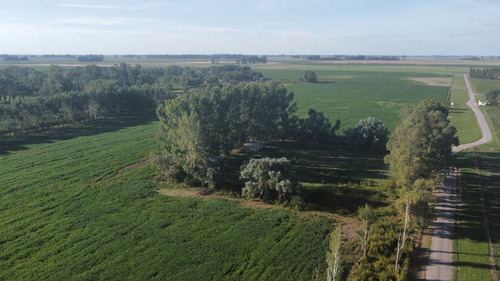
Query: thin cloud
[85, 6]
[103, 21]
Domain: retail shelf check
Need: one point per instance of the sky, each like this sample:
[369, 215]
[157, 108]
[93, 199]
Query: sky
[257, 27]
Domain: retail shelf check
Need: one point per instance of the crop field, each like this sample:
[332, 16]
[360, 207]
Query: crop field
[69, 214]
[353, 92]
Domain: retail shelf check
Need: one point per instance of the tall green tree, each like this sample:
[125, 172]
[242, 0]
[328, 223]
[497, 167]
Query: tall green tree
[420, 148]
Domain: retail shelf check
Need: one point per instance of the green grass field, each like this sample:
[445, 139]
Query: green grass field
[460, 114]
[354, 92]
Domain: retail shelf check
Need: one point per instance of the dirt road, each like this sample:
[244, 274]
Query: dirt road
[447, 202]
[485, 129]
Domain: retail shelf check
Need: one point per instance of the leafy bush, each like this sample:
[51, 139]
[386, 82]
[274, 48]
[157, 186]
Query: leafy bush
[369, 133]
[211, 172]
[167, 167]
[269, 178]
[492, 97]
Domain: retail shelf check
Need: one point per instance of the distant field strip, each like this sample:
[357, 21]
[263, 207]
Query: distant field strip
[441, 82]
[364, 94]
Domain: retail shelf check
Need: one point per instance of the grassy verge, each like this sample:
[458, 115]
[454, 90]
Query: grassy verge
[471, 245]
[461, 116]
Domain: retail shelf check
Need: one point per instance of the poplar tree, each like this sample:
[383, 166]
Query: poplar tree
[420, 148]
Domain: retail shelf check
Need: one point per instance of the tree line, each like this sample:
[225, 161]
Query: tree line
[355, 57]
[243, 59]
[14, 58]
[90, 58]
[485, 73]
[33, 99]
[419, 151]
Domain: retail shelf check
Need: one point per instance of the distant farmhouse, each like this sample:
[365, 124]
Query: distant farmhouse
[482, 102]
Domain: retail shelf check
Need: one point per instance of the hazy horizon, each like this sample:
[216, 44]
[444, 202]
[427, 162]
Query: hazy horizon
[273, 27]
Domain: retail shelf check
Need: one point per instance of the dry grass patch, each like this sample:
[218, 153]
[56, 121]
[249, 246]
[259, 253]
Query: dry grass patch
[341, 76]
[443, 81]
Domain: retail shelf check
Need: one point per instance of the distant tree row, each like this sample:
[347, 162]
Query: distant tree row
[485, 73]
[14, 58]
[251, 59]
[99, 99]
[32, 99]
[357, 57]
[90, 58]
[67, 56]
[238, 58]
[24, 81]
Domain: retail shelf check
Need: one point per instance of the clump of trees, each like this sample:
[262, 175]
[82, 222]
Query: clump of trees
[369, 133]
[208, 123]
[309, 76]
[215, 120]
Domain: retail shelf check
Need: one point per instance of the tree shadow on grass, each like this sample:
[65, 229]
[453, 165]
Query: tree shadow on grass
[9, 144]
[334, 175]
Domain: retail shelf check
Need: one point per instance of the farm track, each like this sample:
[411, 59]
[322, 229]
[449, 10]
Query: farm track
[447, 202]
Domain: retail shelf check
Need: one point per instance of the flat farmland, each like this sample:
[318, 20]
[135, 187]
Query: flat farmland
[351, 93]
[78, 204]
